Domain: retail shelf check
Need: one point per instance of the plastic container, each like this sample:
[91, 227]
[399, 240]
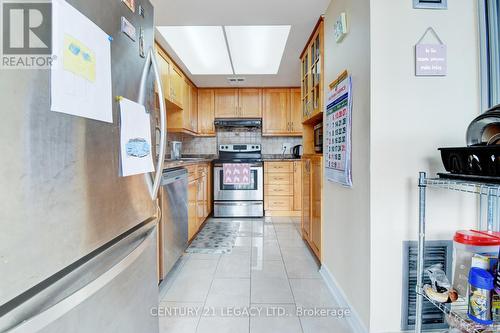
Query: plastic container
[480, 291]
[466, 244]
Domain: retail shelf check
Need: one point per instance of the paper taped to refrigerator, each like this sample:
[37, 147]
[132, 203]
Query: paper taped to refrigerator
[81, 69]
[135, 139]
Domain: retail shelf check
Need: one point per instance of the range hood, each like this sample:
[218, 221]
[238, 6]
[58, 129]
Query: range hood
[238, 123]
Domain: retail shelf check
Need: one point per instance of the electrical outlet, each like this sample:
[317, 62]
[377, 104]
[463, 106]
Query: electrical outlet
[285, 147]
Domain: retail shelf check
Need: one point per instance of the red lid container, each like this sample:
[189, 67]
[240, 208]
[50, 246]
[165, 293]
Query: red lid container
[477, 238]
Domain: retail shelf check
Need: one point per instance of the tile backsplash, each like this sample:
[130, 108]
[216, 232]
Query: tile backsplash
[208, 145]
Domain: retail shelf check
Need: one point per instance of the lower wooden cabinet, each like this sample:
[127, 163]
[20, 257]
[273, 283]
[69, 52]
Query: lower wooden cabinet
[282, 188]
[192, 216]
[312, 188]
[199, 197]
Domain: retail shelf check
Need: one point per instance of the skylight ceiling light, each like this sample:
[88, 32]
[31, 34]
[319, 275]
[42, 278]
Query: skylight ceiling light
[201, 48]
[257, 49]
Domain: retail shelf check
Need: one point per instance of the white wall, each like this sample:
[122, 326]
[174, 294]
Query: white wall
[410, 118]
[346, 224]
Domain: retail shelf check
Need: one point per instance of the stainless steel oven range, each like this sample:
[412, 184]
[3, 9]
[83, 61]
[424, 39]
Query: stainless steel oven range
[241, 200]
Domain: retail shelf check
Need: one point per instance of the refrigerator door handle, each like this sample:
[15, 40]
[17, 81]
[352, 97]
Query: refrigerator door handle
[41, 320]
[154, 181]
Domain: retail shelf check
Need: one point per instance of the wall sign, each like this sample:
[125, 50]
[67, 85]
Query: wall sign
[430, 4]
[430, 59]
[340, 27]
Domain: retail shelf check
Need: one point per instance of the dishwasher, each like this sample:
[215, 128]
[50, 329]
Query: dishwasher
[174, 220]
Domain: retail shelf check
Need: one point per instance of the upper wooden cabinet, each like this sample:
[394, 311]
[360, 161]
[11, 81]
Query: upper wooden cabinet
[206, 112]
[226, 103]
[193, 108]
[295, 111]
[177, 86]
[250, 103]
[275, 117]
[312, 74]
[238, 103]
[281, 113]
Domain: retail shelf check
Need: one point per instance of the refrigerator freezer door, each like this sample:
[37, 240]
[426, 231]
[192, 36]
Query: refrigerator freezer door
[60, 194]
[115, 291]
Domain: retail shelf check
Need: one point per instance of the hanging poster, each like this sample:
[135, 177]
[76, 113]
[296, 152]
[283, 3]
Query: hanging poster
[338, 164]
[81, 70]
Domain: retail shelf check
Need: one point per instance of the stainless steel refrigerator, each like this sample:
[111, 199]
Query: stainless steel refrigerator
[78, 243]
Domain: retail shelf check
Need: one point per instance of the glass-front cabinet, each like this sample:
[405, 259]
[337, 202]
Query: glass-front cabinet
[312, 75]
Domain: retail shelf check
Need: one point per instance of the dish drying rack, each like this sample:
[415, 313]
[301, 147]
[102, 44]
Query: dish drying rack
[489, 210]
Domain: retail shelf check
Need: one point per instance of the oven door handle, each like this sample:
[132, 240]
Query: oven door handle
[252, 166]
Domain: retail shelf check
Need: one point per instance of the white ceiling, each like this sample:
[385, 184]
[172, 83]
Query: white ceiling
[302, 15]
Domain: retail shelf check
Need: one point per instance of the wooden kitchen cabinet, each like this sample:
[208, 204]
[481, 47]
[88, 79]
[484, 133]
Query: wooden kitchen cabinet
[206, 112]
[238, 103]
[199, 196]
[177, 86]
[193, 107]
[184, 120]
[172, 79]
[200, 201]
[280, 190]
[275, 116]
[312, 188]
[163, 68]
[306, 198]
[281, 112]
[316, 200]
[312, 76]
[192, 215]
[249, 103]
[297, 185]
[226, 103]
[295, 112]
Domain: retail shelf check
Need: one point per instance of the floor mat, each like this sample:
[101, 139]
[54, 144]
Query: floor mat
[216, 237]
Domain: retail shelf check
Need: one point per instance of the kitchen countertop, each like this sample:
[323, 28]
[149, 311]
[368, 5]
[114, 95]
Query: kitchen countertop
[195, 159]
[186, 161]
[279, 157]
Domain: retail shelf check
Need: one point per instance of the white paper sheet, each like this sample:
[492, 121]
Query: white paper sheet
[81, 71]
[135, 139]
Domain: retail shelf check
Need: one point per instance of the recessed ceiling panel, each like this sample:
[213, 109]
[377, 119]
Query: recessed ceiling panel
[202, 49]
[257, 49]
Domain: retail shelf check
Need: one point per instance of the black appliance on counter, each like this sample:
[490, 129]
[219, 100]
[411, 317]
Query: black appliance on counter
[297, 151]
[480, 160]
[318, 138]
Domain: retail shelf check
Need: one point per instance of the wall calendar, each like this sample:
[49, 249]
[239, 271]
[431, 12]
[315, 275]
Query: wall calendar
[338, 163]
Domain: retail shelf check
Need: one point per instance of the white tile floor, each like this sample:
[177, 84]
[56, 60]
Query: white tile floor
[270, 273]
